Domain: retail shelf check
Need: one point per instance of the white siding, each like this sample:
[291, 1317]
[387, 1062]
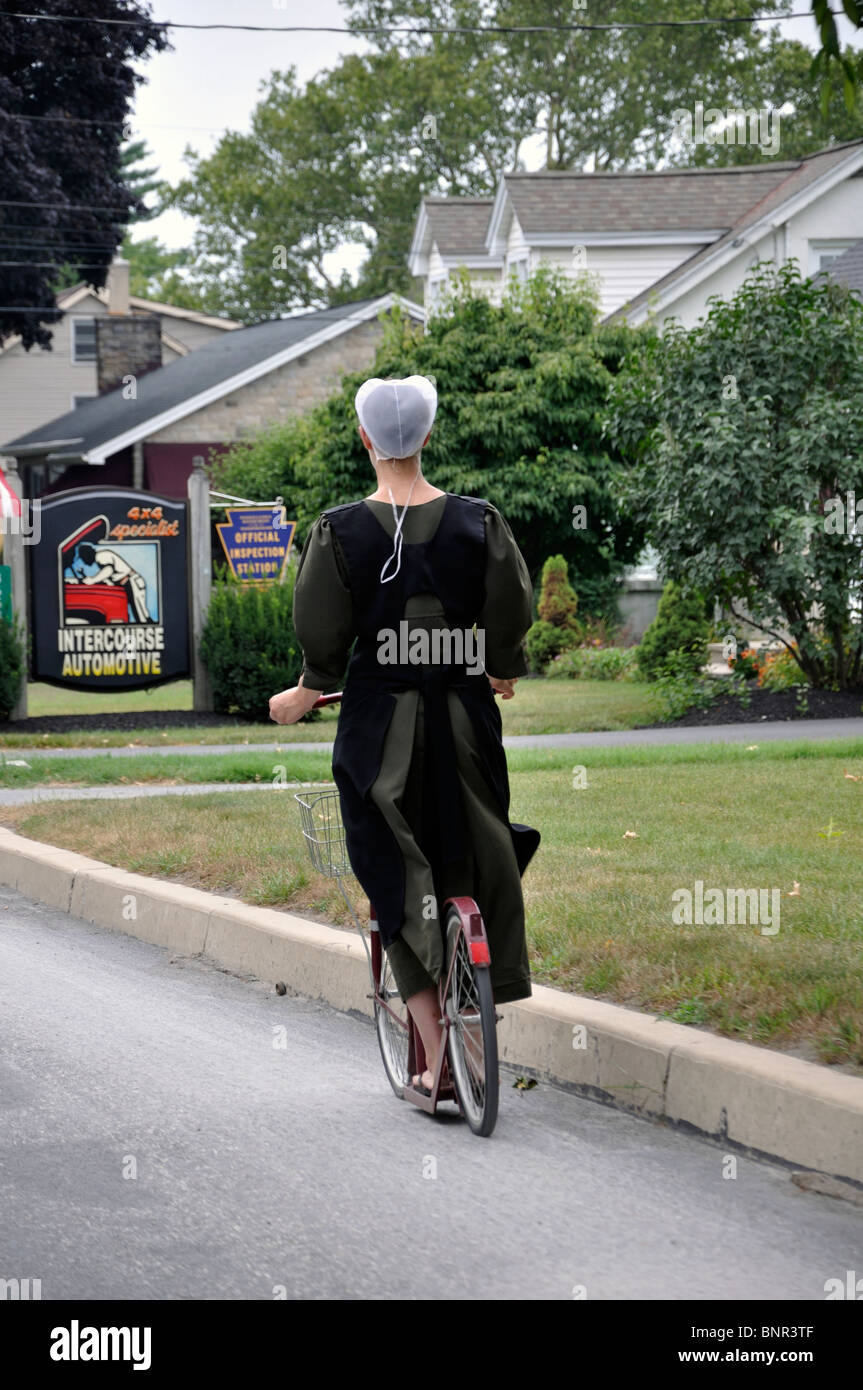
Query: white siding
[38, 385]
[837, 214]
[623, 271]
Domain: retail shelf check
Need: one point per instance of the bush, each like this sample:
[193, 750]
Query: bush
[557, 628]
[779, 671]
[544, 642]
[558, 601]
[250, 647]
[680, 691]
[747, 663]
[596, 663]
[11, 666]
[676, 640]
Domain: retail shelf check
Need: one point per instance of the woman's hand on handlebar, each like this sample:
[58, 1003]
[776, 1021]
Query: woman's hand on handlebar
[290, 705]
[503, 688]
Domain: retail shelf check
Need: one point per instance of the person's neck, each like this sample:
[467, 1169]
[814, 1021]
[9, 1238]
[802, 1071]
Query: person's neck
[399, 482]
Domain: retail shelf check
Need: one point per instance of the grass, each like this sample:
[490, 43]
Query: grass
[539, 707]
[599, 899]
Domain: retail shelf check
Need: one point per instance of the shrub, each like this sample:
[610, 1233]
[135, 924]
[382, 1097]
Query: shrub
[747, 663]
[779, 671]
[596, 663]
[250, 647]
[558, 601]
[680, 691]
[544, 642]
[11, 666]
[676, 640]
[557, 627]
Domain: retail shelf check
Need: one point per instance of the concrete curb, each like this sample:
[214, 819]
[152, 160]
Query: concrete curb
[748, 1097]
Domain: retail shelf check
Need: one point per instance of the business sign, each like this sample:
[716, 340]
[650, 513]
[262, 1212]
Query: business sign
[256, 541]
[108, 590]
[6, 593]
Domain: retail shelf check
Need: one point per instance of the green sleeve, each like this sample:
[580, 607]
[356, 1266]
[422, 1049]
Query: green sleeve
[323, 610]
[509, 601]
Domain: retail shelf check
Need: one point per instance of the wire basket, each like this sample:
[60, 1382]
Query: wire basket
[323, 832]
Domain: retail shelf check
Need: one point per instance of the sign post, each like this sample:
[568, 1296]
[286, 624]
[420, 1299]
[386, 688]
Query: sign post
[200, 577]
[13, 554]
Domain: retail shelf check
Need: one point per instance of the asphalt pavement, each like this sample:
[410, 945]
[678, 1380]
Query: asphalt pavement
[172, 1131]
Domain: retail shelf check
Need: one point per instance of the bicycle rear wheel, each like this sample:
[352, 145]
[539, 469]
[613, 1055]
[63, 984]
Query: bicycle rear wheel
[392, 1032]
[472, 1035]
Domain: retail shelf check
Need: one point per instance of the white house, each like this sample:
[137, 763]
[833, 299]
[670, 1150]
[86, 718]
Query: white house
[660, 242]
[38, 385]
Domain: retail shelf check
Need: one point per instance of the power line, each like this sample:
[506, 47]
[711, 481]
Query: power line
[64, 207]
[419, 29]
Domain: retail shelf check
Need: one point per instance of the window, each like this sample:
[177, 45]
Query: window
[518, 268]
[79, 400]
[83, 340]
[823, 253]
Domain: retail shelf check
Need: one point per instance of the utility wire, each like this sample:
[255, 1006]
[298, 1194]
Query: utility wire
[361, 30]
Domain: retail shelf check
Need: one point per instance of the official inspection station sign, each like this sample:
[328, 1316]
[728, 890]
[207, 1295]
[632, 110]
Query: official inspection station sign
[256, 541]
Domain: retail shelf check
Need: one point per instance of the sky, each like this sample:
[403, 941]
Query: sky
[210, 82]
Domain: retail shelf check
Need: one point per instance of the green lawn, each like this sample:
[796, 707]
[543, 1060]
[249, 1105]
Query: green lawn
[648, 823]
[539, 707]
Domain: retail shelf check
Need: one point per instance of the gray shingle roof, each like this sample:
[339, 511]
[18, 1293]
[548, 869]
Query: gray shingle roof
[848, 268]
[680, 199]
[797, 176]
[458, 225]
[103, 418]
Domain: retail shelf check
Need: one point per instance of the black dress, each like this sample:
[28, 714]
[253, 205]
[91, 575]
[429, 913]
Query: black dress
[418, 757]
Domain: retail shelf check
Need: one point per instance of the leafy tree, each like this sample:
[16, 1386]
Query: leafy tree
[746, 437]
[347, 158]
[521, 393]
[830, 60]
[266, 467]
[66, 175]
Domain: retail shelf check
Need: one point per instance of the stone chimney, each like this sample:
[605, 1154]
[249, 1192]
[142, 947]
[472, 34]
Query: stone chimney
[127, 345]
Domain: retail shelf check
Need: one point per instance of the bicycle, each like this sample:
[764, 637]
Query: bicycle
[467, 1063]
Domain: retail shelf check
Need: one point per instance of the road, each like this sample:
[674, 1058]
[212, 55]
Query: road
[764, 731]
[156, 1144]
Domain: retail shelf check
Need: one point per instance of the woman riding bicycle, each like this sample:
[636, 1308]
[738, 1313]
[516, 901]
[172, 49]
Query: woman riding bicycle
[434, 597]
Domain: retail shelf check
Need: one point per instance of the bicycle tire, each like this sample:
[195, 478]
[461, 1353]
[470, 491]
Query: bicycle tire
[469, 996]
[392, 1036]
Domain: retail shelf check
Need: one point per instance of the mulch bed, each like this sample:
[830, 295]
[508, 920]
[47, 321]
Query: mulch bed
[772, 705]
[131, 722]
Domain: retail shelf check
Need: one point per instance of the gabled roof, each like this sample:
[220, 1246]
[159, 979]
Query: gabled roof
[71, 296]
[105, 424]
[75, 294]
[715, 207]
[563, 205]
[803, 180]
[456, 225]
[847, 269]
